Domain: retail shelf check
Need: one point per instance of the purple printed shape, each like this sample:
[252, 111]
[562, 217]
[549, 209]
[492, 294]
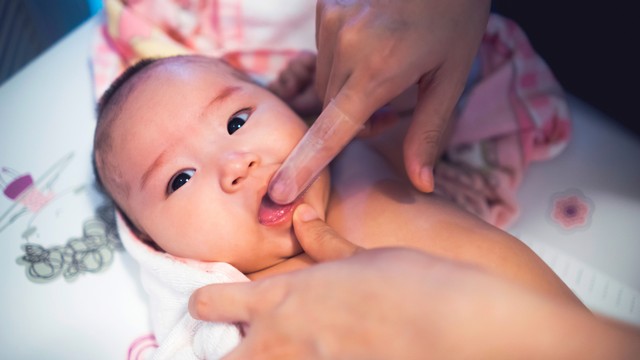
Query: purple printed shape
[18, 186]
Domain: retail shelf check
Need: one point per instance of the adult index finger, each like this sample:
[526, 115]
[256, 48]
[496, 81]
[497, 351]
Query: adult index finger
[323, 141]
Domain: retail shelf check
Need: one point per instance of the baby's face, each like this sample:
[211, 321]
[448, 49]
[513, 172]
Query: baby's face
[196, 148]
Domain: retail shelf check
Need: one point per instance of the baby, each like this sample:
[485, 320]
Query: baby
[186, 146]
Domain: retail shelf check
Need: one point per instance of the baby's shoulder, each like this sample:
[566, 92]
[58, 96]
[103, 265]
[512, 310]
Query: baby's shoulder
[360, 167]
[368, 192]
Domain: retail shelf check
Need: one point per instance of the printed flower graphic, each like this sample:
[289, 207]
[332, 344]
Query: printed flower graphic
[571, 209]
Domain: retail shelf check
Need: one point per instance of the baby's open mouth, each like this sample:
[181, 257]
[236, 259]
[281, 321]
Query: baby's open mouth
[271, 213]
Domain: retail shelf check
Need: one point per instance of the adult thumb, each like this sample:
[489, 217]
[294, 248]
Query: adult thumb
[318, 239]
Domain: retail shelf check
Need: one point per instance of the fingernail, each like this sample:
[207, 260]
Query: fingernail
[282, 191]
[426, 177]
[193, 307]
[306, 213]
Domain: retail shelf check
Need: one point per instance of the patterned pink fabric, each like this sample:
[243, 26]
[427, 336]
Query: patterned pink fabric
[256, 36]
[514, 113]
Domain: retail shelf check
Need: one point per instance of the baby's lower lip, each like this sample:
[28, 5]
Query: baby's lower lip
[271, 214]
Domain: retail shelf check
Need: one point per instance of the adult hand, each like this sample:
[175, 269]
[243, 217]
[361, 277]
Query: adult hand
[399, 303]
[369, 52]
[327, 310]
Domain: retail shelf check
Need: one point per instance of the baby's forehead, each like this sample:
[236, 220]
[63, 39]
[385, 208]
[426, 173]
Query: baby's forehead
[180, 64]
[171, 85]
[184, 73]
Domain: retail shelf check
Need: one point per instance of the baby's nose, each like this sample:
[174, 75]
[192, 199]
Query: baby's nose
[237, 166]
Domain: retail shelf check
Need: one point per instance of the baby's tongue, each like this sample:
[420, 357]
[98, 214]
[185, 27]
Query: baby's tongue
[271, 213]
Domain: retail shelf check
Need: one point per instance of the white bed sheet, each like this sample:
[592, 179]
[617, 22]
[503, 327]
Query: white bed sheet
[75, 295]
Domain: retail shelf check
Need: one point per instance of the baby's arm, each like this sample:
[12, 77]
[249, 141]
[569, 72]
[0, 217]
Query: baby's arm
[374, 205]
[395, 216]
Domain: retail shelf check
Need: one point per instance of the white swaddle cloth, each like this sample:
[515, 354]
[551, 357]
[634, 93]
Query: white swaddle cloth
[169, 282]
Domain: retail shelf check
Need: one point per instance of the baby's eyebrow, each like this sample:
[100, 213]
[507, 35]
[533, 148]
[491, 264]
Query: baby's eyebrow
[153, 167]
[220, 97]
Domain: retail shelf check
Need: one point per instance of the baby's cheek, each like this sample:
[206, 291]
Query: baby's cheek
[289, 137]
[178, 235]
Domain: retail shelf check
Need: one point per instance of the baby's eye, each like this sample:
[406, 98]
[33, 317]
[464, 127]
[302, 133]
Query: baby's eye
[179, 179]
[237, 121]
